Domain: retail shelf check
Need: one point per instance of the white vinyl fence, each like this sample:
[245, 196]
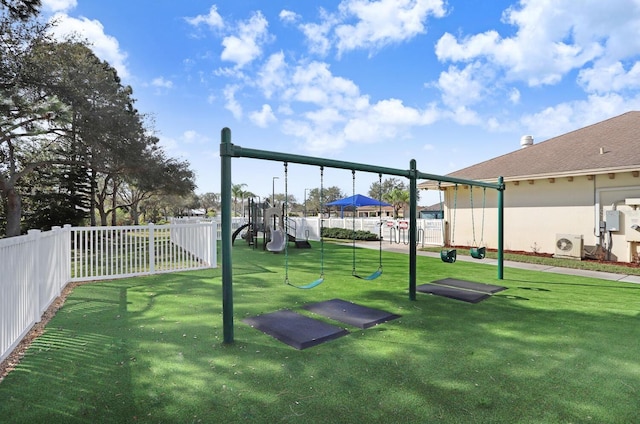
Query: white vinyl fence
[36, 267]
[430, 231]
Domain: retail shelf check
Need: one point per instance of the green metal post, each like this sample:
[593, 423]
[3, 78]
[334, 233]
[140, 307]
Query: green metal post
[413, 231]
[225, 209]
[500, 228]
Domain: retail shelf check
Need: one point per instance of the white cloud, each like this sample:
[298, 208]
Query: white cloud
[551, 40]
[246, 45]
[273, 74]
[462, 87]
[263, 117]
[106, 47]
[514, 96]
[212, 19]
[318, 34]
[370, 25]
[59, 5]
[288, 16]
[232, 104]
[614, 77]
[162, 83]
[568, 116]
[383, 22]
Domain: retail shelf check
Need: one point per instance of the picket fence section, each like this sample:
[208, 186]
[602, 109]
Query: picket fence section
[35, 268]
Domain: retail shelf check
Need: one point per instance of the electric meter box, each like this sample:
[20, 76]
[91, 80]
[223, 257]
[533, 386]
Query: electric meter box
[613, 220]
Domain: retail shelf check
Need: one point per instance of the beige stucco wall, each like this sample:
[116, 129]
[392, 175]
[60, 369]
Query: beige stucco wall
[537, 210]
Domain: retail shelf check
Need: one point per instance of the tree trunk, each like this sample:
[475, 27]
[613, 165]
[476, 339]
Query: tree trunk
[133, 212]
[14, 211]
[92, 209]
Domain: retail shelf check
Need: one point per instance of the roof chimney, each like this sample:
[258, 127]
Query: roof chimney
[526, 141]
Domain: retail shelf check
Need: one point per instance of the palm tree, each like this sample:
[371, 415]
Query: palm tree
[398, 199]
[237, 192]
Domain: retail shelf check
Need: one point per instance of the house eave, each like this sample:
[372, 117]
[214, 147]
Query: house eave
[434, 185]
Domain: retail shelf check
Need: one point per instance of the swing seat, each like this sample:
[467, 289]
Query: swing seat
[448, 255]
[478, 252]
[373, 276]
[310, 285]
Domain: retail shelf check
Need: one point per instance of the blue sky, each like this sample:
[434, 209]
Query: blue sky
[449, 83]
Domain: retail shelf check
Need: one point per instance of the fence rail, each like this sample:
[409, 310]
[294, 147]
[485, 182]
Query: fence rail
[36, 267]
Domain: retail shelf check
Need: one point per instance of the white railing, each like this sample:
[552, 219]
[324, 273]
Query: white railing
[36, 267]
[430, 231]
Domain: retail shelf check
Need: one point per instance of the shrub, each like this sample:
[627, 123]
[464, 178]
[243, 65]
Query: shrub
[344, 233]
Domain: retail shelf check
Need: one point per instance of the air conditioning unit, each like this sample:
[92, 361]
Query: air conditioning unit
[569, 246]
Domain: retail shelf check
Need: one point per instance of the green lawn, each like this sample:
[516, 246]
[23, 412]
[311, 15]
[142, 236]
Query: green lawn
[550, 349]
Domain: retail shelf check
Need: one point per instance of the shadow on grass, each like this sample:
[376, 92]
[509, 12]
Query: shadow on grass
[149, 350]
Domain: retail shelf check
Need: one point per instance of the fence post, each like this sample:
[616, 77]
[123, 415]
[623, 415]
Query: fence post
[152, 250]
[35, 253]
[213, 244]
[66, 245]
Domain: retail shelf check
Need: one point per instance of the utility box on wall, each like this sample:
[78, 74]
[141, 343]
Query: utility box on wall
[632, 225]
[613, 220]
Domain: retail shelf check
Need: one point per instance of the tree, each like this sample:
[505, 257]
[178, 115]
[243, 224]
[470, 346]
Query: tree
[237, 191]
[398, 199]
[29, 116]
[210, 202]
[156, 174]
[329, 194]
[21, 9]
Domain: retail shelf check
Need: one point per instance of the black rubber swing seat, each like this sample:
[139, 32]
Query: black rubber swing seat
[448, 255]
[478, 252]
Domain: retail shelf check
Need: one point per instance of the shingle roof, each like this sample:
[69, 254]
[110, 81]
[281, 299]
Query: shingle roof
[608, 146]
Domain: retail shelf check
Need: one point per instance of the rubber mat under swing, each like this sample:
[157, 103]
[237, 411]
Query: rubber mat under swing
[351, 313]
[294, 329]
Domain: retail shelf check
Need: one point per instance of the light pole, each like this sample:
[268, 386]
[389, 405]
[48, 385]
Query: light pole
[273, 190]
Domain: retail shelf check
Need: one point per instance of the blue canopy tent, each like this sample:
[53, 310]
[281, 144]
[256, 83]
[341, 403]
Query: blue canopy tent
[355, 202]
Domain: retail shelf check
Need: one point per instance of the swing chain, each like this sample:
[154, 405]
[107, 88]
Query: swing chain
[284, 218]
[473, 222]
[484, 200]
[321, 221]
[455, 209]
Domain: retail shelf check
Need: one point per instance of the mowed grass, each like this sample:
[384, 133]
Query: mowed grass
[550, 349]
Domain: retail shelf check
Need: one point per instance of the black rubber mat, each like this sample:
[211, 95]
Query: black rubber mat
[294, 329]
[453, 293]
[351, 313]
[469, 285]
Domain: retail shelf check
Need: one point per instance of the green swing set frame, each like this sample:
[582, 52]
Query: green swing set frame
[228, 151]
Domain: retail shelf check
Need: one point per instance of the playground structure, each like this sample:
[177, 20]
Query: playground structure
[228, 151]
[273, 223]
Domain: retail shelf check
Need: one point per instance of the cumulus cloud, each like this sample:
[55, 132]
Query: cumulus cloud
[263, 117]
[383, 22]
[568, 116]
[231, 104]
[288, 16]
[551, 40]
[212, 19]
[245, 44]
[370, 25]
[160, 82]
[59, 5]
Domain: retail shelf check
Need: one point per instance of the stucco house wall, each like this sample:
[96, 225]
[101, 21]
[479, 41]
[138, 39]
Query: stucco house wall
[536, 211]
[564, 185]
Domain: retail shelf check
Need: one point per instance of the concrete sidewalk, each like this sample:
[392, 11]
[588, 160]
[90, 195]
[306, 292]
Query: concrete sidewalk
[403, 248]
